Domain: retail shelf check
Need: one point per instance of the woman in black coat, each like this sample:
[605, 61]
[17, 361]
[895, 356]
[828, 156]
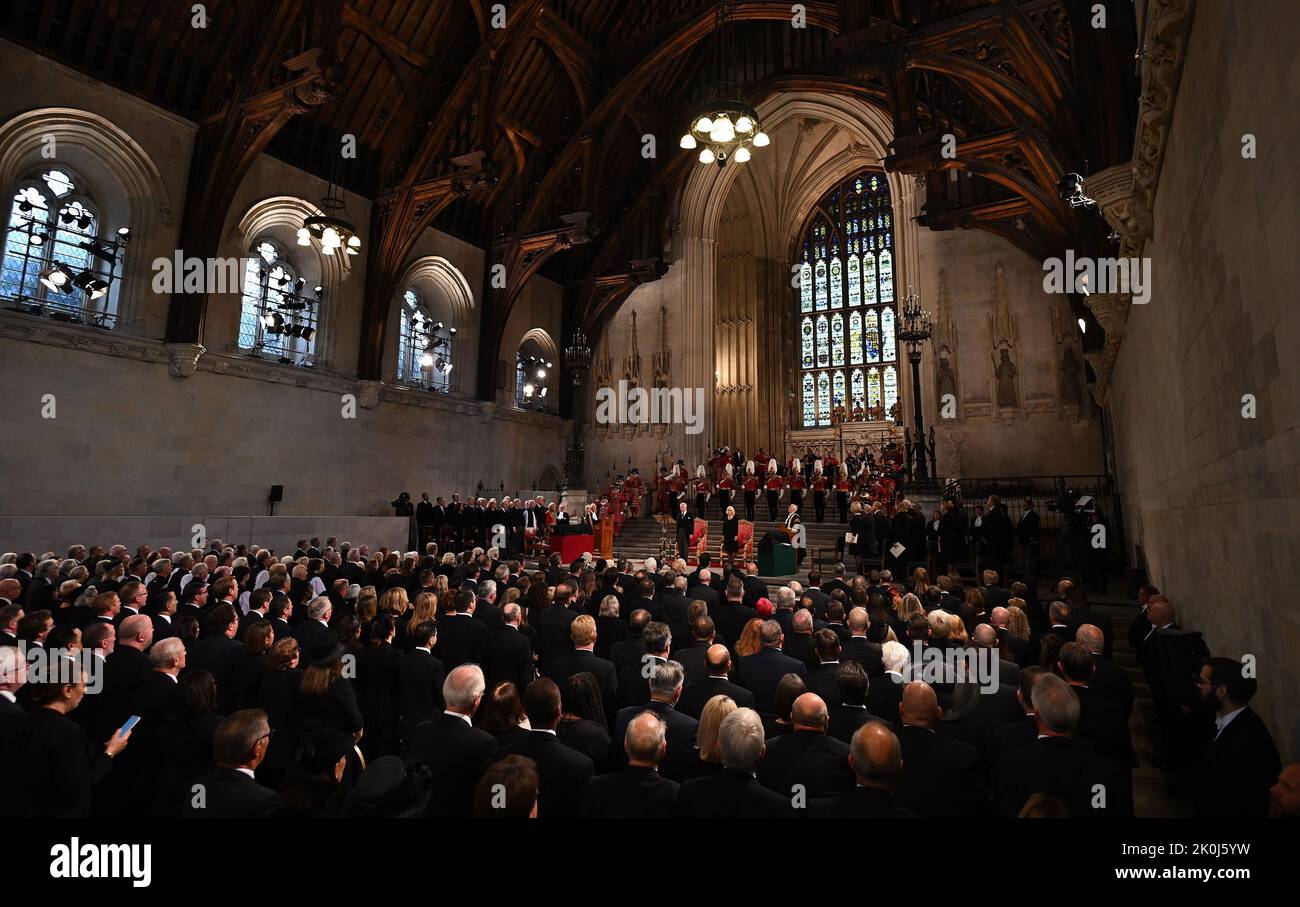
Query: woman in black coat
[278, 696]
[189, 726]
[583, 725]
[327, 699]
[378, 666]
[59, 764]
[730, 535]
[253, 663]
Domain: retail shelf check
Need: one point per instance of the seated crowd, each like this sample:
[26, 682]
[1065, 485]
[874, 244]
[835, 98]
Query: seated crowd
[339, 682]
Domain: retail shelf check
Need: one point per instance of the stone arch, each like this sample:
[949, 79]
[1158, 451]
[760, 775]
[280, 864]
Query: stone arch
[551, 479]
[280, 216]
[126, 183]
[445, 290]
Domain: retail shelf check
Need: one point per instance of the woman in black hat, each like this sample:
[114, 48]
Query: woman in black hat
[313, 787]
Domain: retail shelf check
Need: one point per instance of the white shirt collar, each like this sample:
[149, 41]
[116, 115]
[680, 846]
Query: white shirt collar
[464, 718]
[1223, 721]
[543, 730]
[10, 696]
[246, 771]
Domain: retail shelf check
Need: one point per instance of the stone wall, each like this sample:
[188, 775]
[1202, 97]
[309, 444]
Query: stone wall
[1211, 496]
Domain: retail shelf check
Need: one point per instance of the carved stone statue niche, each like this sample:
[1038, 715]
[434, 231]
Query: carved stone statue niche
[1005, 370]
[1071, 389]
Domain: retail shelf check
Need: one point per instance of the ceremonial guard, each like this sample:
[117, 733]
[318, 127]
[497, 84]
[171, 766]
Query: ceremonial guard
[775, 488]
[750, 486]
[726, 487]
[843, 488]
[663, 491]
[819, 484]
[677, 489]
[635, 493]
[703, 491]
[797, 484]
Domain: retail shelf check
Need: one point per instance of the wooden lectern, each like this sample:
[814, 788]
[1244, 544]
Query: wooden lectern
[605, 539]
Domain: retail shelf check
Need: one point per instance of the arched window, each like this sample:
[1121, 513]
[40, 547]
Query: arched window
[54, 256]
[424, 348]
[846, 308]
[532, 390]
[279, 311]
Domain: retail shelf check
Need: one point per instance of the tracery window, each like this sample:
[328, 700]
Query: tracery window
[846, 270]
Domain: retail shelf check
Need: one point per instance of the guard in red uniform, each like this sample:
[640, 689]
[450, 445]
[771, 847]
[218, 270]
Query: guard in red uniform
[797, 484]
[819, 485]
[726, 487]
[635, 494]
[751, 487]
[703, 491]
[775, 488]
[843, 488]
[677, 487]
[662, 487]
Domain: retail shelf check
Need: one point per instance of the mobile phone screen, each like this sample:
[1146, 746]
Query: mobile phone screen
[130, 723]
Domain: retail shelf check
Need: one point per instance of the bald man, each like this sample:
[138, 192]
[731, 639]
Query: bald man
[876, 759]
[1107, 679]
[10, 591]
[941, 775]
[124, 671]
[807, 763]
[638, 791]
[717, 662]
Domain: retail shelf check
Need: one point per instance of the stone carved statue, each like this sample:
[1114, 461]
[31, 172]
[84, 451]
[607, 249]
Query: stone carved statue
[1071, 391]
[1005, 370]
[947, 383]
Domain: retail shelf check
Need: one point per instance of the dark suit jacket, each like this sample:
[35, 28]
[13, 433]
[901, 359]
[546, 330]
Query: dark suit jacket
[230, 794]
[217, 654]
[419, 681]
[1113, 682]
[761, 672]
[124, 671]
[731, 795]
[1236, 770]
[866, 653]
[311, 632]
[634, 793]
[246, 621]
[845, 721]
[580, 660]
[696, 696]
[824, 681]
[860, 803]
[459, 638]
[633, 685]
[674, 608]
[563, 774]
[693, 659]
[816, 761]
[941, 775]
[681, 736]
[456, 755]
[553, 628]
[705, 594]
[1105, 725]
[506, 654]
[729, 618]
[800, 647]
[1065, 767]
[625, 653]
[59, 767]
[884, 696]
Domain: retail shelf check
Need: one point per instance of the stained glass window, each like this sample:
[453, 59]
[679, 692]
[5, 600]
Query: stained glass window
[891, 389]
[846, 261]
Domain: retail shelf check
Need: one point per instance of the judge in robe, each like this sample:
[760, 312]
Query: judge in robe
[792, 526]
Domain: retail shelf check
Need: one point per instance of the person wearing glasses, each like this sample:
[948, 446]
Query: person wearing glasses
[230, 791]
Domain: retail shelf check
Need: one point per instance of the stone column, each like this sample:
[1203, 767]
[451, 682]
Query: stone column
[695, 369]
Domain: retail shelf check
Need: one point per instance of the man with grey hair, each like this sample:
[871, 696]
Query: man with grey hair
[734, 792]
[761, 672]
[485, 609]
[506, 653]
[1058, 615]
[43, 589]
[1107, 679]
[230, 791]
[638, 791]
[798, 642]
[1060, 764]
[785, 601]
[316, 628]
[454, 751]
[665, 690]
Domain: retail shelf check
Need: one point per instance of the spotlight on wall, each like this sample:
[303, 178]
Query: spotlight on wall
[426, 360]
[1071, 189]
[1083, 326]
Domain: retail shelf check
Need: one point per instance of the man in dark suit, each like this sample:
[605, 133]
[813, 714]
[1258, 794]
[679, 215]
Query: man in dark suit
[132, 595]
[1027, 531]
[731, 615]
[1082, 613]
[638, 791]
[454, 751]
[553, 626]
[851, 710]
[807, 761]
[1024, 730]
[584, 658]
[693, 657]
[278, 614]
[1108, 679]
[506, 653]
[1060, 764]
[675, 609]
[420, 680]
[824, 677]
[994, 595]
[859, 648]
[755, 588]
[124, 670]
[716, 683]
[634, 680]
[877, 763]
[1102, 723]
[704, 591]
[630, 650]
[798, 643]
[953, 530]
[459, 634]
[1241, 762]
[229, 791]
[563, 772]
[998, 534]
[315, 631]
[837, 582]
[218, 652]
[259, 603]
[665, 692]
[761, 672]
[734, 792]
[941, 777]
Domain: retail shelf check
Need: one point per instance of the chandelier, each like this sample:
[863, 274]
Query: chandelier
[332, 231]
[727, 128]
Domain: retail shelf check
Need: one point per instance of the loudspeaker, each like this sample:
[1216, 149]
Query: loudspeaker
[276, 495]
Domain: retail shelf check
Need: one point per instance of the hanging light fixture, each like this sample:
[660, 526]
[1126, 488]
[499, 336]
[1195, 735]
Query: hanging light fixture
[336, 234]
[727, 128]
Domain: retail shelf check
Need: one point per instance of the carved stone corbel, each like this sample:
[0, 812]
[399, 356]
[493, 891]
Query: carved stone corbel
[368, 393]
[183, 358]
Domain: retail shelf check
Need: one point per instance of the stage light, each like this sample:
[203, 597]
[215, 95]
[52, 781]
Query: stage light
[56, 278]
[426, 360]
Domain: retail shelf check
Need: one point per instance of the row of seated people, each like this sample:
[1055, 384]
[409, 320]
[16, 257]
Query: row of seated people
[572, 657]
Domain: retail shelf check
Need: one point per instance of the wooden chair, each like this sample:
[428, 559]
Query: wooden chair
[745, 540]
